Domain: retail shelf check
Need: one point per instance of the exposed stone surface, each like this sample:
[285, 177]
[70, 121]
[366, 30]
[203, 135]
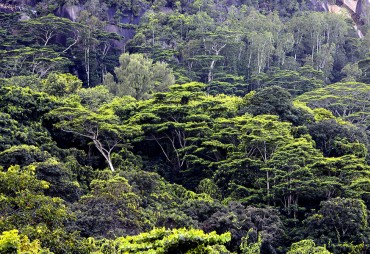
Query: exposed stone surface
[352, 8]
[69, 12]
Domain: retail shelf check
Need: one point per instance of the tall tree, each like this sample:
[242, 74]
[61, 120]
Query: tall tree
[349, 100]
[339, 220]
[139, 77]
[102, 128]
[292, 174]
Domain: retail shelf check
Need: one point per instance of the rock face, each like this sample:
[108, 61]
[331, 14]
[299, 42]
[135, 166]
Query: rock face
[127, 20]
[8, 8]
[69, 12]
[318, 5]
[352, 8]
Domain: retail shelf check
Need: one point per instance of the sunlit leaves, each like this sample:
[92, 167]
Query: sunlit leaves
[348, 100]
[165, 241]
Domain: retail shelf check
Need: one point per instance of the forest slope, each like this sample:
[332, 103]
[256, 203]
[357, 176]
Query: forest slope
[212, 127]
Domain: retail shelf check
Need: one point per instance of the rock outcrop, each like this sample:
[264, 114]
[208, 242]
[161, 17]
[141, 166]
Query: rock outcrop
[353, 8]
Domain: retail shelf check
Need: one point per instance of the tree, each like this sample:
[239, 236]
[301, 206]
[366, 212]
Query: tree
[102, 128]
[12, 242]
[62, 181]
[32, 81]
[93, 98]
[38, 48]
[307, 247]
[46, 28]
[176, 240]
[94, 49]
[22, 155]
[260, 50]
[271, 100]
[137, 76]
[331, 135]
[261, 138]
[339, 220]
[61, 84]
[24, 204]
[319, 39]
[169, 205]
[263, 36]
[262, 226]
[110, 209]
[244, 145]
[177, 123]
[352, 73]
[251, 248]
[349, 100]
[209, 187]
[292, 174]
[24, 104]
[10, 22]
[25, 207]
[295, 82]
[31, 60]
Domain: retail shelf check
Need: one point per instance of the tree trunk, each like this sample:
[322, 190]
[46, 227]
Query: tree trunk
[210, 76]
[110, 165]
[104, 152]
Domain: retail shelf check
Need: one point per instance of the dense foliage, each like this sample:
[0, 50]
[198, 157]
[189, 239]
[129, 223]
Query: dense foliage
[183, 127]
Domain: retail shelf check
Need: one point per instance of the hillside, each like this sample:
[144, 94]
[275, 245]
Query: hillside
[184, 126]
